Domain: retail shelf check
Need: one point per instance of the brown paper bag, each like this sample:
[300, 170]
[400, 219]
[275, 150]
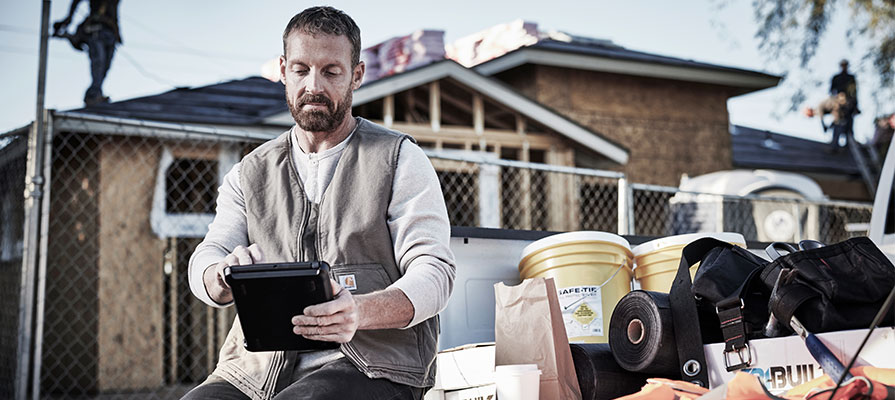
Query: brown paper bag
[528, 329]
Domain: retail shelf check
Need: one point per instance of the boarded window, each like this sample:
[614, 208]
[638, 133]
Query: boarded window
[191, 186]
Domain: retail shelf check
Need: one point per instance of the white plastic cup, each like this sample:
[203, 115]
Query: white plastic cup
[518, 382]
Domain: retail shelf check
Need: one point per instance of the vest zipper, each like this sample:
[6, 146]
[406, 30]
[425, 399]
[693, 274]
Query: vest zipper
[279, 358]
[316, 257]
[309, 239]
[303, 231]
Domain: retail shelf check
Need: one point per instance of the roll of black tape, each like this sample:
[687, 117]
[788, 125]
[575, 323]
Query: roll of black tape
[599, 376]
[641, 334]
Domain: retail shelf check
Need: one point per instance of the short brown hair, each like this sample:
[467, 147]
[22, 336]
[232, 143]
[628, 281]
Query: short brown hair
[327, 20]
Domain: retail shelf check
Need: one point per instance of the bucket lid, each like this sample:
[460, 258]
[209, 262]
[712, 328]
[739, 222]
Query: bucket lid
[580, 236]
[658, 244]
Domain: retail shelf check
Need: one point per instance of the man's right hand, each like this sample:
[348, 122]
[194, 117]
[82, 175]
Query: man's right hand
[215, 285]
[60, 26]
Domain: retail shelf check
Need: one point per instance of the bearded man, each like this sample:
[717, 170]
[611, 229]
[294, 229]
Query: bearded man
[346, 191]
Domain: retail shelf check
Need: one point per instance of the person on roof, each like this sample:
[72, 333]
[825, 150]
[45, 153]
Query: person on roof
[842, 104]
[343, 190]
[99, 32]
[844, 82]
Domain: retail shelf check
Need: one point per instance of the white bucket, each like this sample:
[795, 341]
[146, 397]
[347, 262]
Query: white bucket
[658, 260]
[518, 381]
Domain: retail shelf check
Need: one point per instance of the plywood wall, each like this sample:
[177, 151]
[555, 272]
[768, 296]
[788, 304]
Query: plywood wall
[131, 281]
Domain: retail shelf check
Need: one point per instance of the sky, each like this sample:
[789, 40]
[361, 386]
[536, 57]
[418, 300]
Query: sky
[179, 43]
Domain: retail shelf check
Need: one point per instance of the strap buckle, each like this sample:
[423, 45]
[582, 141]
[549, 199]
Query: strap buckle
[745, 361]
[742, 305]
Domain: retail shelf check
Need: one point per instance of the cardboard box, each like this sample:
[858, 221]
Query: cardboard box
[434, 394]
[463, 367]
[783, 363]
[487, 392]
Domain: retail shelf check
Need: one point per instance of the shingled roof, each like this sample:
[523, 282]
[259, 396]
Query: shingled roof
[761, 149]
[250, 101]
[600, 48]
[601, 55]
[244, 102]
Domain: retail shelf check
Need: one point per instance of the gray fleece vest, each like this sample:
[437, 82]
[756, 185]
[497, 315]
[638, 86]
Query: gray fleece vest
[347, 229]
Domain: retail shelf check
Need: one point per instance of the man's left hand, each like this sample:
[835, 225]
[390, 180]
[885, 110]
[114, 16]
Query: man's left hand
[333, 321]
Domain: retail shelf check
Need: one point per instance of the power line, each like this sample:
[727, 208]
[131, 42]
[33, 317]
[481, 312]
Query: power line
[18, 29]
[130, 58]
[187, 52]
[177, 49]
[214, 57]
[126, 55]
[18, 50]
[146, 73]
[59, 53]
[29, 51]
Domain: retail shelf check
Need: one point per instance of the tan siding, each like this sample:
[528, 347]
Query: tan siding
[669, 127]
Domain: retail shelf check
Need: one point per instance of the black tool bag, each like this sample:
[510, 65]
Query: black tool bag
[835, 287]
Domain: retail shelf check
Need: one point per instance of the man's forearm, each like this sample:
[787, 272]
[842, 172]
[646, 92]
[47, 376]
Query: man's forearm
[386, 309]
[72, 8]
[226, 232]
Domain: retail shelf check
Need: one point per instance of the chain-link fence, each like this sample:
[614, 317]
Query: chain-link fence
[13, 149]
[487, 192]
[661, 211]
[482, 191]
[129, 201]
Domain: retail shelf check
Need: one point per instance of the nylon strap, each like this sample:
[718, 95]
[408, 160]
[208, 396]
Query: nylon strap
[690, 352]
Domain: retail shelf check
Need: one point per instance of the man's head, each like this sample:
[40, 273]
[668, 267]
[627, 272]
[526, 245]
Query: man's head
[320, 67]
[843, 64]
[325, 20]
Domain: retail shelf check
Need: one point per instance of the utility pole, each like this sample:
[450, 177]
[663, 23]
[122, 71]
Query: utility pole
[33, 194]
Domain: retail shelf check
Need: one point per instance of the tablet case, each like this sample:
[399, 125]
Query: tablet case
[267, 296]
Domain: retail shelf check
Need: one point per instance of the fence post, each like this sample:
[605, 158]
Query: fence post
[33, 194]
[42, 259]
[26, 288]
[719, 214]
[625, 207]
[797, 213]
[33, 265]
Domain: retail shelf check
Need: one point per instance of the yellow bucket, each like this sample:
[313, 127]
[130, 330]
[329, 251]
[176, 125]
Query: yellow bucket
[658, 260]
[592, 272]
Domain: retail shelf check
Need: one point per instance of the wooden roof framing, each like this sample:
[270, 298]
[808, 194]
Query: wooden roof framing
[486, 93]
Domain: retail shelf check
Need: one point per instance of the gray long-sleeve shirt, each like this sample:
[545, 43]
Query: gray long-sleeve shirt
[417, 221]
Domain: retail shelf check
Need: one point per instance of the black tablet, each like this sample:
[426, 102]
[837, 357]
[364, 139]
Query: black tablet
[267, 296]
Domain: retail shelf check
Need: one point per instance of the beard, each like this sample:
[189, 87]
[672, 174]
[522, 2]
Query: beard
[319, 120]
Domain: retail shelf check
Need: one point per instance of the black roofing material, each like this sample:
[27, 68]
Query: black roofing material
[753, 148]
[239, 102]
[621, 53]
[598, 48]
